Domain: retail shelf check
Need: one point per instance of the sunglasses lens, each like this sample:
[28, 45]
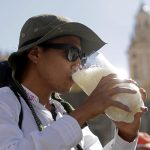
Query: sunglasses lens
[83, 59]
[73, 55]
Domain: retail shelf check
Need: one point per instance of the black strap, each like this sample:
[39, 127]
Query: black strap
[65, 104]
[68, 107]
[53, 112]
[79, 147]
[21, 111]
[19, 89]
[30, 41]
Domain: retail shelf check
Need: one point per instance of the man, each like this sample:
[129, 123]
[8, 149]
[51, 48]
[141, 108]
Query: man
[50, 49]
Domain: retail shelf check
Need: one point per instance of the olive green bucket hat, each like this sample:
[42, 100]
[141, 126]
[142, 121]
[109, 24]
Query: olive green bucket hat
[41, 28]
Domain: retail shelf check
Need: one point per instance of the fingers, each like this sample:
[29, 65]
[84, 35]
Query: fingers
[144, 109]
[142, 91]
[111, 80]
[120, 105]
[119, 90]
[134, 82]
[106, 79]
[143, 94]
[107, 88]
[108, 84]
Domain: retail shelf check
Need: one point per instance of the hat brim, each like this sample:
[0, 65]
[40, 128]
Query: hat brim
[90, 41]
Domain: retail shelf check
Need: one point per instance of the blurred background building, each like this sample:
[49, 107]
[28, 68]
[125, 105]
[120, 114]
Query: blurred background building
[3, 55]
[138, 55]
[139, 50]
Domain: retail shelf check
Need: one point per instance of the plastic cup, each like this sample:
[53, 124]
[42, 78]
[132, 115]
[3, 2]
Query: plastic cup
[88, 77]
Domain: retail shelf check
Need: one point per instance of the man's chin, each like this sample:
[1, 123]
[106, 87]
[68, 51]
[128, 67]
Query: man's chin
[64, 91]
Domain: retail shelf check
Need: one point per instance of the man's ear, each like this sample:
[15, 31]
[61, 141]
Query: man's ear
[34, 54]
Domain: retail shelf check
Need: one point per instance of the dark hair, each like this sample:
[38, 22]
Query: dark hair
[21, 65]
[21, 61]
[5, 73]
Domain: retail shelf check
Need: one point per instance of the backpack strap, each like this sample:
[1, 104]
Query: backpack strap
[67, 106]
[5, 74]
[6, 80]
[20, 90]
[21, 111]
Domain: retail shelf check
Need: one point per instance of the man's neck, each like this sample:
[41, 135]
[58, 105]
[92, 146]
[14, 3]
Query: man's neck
[40, 91]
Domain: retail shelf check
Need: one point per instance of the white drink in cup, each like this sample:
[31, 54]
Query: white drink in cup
[88, 78]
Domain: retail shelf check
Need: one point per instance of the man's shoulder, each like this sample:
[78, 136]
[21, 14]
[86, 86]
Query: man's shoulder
[7, 96]
[9, 104]
[5, 91]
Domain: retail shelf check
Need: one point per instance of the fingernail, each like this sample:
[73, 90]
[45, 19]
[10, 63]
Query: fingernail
[145, 109]
[134, 91]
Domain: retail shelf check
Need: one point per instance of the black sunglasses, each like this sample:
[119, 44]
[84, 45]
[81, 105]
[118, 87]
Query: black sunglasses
[72, 52]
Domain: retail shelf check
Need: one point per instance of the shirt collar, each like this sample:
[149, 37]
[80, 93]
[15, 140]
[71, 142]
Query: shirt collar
[32, 97]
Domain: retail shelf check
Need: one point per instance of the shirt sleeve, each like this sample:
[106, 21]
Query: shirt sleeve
[63, 134]
[118, 143]
[91, 142]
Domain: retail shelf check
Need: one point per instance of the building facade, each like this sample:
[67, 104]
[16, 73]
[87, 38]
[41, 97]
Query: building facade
[139, 50]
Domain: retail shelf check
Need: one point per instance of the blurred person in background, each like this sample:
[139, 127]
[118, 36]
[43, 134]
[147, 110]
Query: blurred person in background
[143, 141]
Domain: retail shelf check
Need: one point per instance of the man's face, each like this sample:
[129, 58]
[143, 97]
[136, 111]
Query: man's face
[53, 67]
